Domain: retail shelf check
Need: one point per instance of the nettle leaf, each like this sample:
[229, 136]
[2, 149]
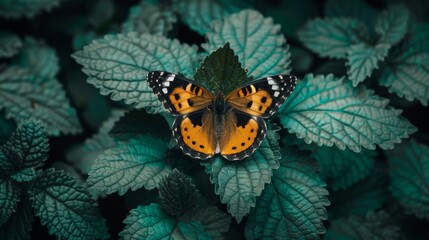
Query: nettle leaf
[118, 65]
[177, 194]
[215, 222]
[13, 9]
[258, 43]
[66, 208]
[358, 9]
[10, 194]
[364, 196]
[152, 222]
[238, 183]
[149, 18]
[221, 71]
[406, 72]
[373, 226]
[362, 60]
[25, 175]
[293, 205]
[392, 24]
[332, 37]
[131, 164]
[19, 225]
[409, 177]
[9, 44]
[327, 111]
[28, 88]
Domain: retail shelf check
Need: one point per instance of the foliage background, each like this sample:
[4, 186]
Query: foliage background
[74, 24]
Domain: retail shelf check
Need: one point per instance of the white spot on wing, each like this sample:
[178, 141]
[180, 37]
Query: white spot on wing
[171, 78]
[166, 84]
[276, 94]
[275, 87]
[271, 82]
[165, 91]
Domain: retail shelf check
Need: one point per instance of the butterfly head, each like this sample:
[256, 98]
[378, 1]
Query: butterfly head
[219, 105]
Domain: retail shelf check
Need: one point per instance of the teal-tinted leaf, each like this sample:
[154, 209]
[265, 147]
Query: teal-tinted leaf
[66, 208]
[118, 65]
[101, 12]
[9, 197]
[373, 226]
[9, 44]
[328, 111]
[364, 196]
[29, 88]
[238, 183]
[332, 37]
[177, 194]
[149, 18]
[362, 60]
[130, 164]
[409, 177]
[25, 8]
[27, 148]
[221, 71]
[19, 225]
[25, 175]
[215, 222]
[358, 9]
[406, 72]
[152, 223]
[293, 205]
[82, 39]
[258, 43]
[392, 24]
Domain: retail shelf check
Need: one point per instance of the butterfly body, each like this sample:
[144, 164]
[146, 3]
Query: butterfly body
[232, 125]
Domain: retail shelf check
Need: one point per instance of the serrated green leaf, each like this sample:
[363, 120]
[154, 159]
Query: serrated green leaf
[409, 177]
[19, 225]
[13, 9]
[406, 72]
[29, 89]
[332, 37]
[152, 223]
[27, 148]
[149, 18]
[9, 197]
[221, 71]
[328, 111]
[392, 24]
[66, 208]
[358, 9]
[9, 44]
[364, 196]
[362, 60]
[131, 164]
[177, 194]
[118, 65]
[373, 226]
[293, 205]
[25, 175]
[215, 222]
[238, 183]
[258, 43]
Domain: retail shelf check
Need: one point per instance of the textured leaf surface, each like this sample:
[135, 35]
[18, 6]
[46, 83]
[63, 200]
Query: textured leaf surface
[118, 65]
[9, 44]
[409, 177]
[392, 24]
[358, 9]
[362, 60]
[152, 223]
[215, 222]
[238, 183]
[293, 205]
[66, 208]
[25, 175]
[406, 72]
[25, 8]
[221, 71]
[177, 194]
[19, 225]
[332, 37]
[258, 43]
[373, 226]
[9, 197]
[328, 111]
[28, 88]
[149, 18]
[130, 165]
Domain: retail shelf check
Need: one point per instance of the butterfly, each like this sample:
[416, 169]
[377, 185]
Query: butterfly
[232, 124]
